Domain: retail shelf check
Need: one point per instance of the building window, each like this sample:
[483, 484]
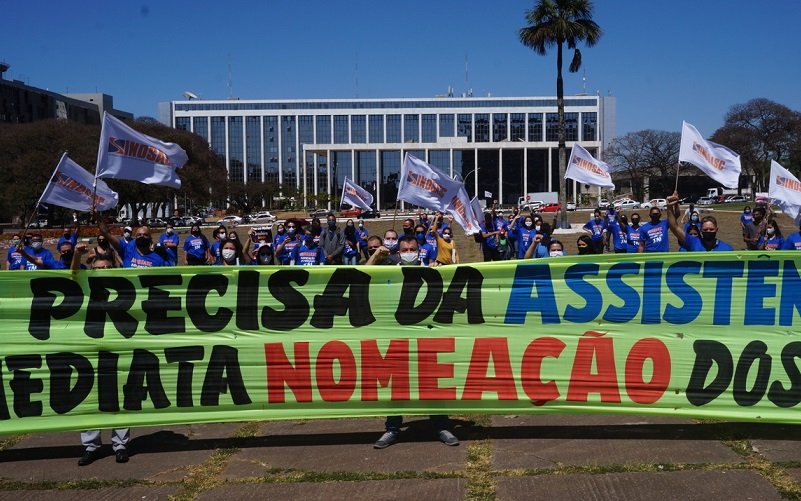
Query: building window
[429, 128]
[253, 147]
[306, 137]
[411, 128]
[182, 123]
[446, 125]
[236, 155]
[358, 129]
[464, 126]
[324, 129]
[440, 159]
[200, 126]
[482, 128]
[376, 128]
[552, 127]
[535, 127]
[589, 121]
[289, 154]
[571, 127]
[517, 127]
[499, 128]
[393, 128]
[341, 129]
[218, 136]
[270, 149]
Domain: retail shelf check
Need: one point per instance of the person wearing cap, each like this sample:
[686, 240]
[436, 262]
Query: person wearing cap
[169, 241]
[127, 236]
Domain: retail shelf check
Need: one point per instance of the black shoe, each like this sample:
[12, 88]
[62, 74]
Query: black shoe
[122, 456]
[387, 439]
[88, 457]
[448, 438]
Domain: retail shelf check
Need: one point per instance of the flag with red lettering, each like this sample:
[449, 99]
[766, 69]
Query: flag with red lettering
[127, 154]
[585, 169]
[424, 185]
[785, 190]
[715, 160]
[71, 187]
[462, 210]
[355, 195]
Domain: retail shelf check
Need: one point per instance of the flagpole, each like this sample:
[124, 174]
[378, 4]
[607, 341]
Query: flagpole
[395, 215]
[39, 202]
[678, 168]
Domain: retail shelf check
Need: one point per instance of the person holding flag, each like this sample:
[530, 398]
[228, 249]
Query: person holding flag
[136, 254]
[708, 242]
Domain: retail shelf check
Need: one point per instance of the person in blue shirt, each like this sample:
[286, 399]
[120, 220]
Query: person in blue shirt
[746, 217]
[35, 253]
[524, 231]
[695, 220]
[596, 227]
[350, 244]
[426, 253]
[654, 234]
[309, 253]
[361, 235]
[692, 230]
[231, 253]
[196, 248]
[220, 234]
[793, 242]
[772, 239]
[169, 240]
[618, 233]
[70, 236]
[633, 234]
[285, 250]
[14, 258]
[489, 241]
[46, 260]
[707, 242]
[139, 252]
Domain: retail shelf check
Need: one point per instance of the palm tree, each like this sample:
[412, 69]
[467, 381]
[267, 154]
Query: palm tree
[555, 23]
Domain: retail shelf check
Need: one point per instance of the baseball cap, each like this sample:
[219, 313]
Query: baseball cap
[128, 228]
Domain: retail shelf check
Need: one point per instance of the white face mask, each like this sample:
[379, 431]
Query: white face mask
[538, 227]
[446, 236]
[409, 257]
[361, 225]
[228, 254]
[221, 236]
[770, 231]
[169, 231]
[556, 253]
[529, 224]
[36, 245]
[127, 234]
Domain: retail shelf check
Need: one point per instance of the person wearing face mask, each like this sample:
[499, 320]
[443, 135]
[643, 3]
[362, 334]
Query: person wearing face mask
[127, 235]
[169, 240]
[136, 254]
[746, 217]
[103, 250]
[14, 257]
[707, 242]
[35, 253]
[408, 227]
[196, 247]
[773, 239]
[220, 234]
[332, 241]
[446, 249]
[263, 255]
[69, 235]
[46, 261]
[350, 249]
[285, 250]
[308, 253]
[596, 228]
[489, 238]
[362, 234]
[409, 252]
[524, 232]
[692, 230]
[231, 253]
[618, 233]
[556, 249]
[427, 254]
[585, 246]
[695, 220]
[755, 229]
[387, 253]
[316, 229]
[633, 234]
[654, 234]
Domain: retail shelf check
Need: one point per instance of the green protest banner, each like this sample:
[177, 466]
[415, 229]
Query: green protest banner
[706, 335]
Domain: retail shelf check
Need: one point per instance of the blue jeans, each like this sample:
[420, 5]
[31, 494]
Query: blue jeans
[354, 259]
[119, 438]
[438, 422]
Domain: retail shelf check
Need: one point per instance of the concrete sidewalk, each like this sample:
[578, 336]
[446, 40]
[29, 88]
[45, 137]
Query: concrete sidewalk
[501, 457]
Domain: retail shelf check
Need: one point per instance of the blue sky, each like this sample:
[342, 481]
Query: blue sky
[665, 61]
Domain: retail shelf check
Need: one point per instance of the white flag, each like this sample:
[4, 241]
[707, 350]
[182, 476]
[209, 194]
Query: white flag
[355, 195]
[785, 190]
[478, 212]
[71, 187]
[583, 168]
[127, 154]
[424, 185]
[487, 194]
[462, 210]
[716, 161]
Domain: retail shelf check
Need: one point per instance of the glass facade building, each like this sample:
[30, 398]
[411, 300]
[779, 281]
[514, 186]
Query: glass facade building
[504, 146]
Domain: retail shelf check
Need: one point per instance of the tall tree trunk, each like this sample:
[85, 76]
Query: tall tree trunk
[561, 221]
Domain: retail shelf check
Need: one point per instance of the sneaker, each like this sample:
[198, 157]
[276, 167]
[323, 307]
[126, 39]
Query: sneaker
[387, 439]
[448, 438]
[122, 455]
[88, 457]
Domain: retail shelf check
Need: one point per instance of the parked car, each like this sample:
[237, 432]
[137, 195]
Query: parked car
[626, 203]
[736, 198]
[692, 199]
[321, 213]
[352, 212]
[571, 206]
[230, 220]
[603, 203]
[262, 217]
[550, 207]
[705, 201]
[533, 206]
[370, 214]
[655, 202]
[41, 223]
[155, 222]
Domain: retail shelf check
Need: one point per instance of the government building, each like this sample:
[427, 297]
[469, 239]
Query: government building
[503, 147]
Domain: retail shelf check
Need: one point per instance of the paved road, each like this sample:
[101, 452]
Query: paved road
[582, 457]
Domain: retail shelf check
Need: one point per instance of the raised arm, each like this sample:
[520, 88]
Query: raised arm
[101, 225]
[673, 218]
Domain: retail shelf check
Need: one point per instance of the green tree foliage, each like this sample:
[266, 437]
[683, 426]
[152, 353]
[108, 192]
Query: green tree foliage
[29, 153]
[760, 131]
[554, 23]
